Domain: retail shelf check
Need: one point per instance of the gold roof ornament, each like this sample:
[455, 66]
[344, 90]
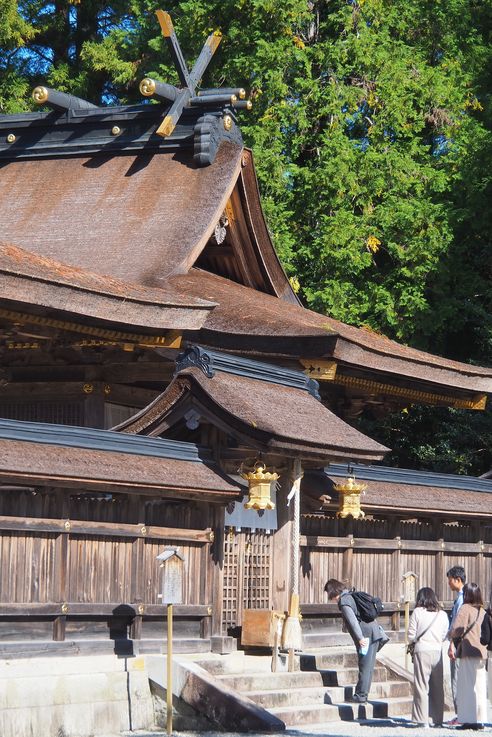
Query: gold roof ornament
[350, 493]
[259, 483]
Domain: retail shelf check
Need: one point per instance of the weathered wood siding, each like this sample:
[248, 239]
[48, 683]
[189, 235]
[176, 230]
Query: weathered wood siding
[66, 553]
[373, 555]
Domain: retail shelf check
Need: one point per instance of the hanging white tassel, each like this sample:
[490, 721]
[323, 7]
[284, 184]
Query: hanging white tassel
[292, 632]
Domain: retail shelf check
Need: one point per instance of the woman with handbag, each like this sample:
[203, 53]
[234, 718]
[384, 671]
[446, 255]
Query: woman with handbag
[472, 674]
[486, 639]
[427, 631]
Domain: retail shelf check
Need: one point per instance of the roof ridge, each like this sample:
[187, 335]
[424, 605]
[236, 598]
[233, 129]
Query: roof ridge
[210, 361]
[390, 474]
[72, 436]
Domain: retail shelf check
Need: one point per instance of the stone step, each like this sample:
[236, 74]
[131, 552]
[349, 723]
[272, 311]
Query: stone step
[376, 708]
[10, 650]
[320, 640]
[327, 660]
[66, 666]
[300, 696]
[348, 676]
[269, 699]
[312, 714]
[300, 715]
[297, 679]
[271, 681]
[181, 645]
[237, 663]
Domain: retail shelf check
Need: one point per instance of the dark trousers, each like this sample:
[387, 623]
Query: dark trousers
[454, 666]
[366, 668]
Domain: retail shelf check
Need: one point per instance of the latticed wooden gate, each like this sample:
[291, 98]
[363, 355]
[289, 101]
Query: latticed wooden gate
[247, 579]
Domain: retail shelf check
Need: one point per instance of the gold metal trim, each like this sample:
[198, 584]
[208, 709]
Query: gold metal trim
[227, 122]
[166, 127]
[22, 346]
[376, 387]
[165, 23]
[11, 138]
[213, 41]
[64, 608]
[147, 87]
[40, 95]
[171, 340]
[115, 130]
[259, 486]
[350, 493]
[323, 370]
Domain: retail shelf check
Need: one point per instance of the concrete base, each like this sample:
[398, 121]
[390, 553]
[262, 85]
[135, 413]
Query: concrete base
[73, 696]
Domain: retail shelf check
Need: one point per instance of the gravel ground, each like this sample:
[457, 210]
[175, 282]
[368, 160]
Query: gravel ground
[363, 728]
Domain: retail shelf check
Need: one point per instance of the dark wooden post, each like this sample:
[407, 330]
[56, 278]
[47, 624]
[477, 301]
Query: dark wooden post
[62, 563]
[348, 553]
[282, 545]
[93, 405]
[218, 637]
[137, 574]
[396, 574]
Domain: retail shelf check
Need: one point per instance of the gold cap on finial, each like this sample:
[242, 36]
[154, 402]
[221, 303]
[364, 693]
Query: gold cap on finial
[147, 87]
[40, 94]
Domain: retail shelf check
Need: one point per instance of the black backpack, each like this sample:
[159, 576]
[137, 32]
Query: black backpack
[368, 607]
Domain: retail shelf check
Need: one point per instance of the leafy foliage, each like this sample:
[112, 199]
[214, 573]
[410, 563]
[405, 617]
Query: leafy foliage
[372, 132]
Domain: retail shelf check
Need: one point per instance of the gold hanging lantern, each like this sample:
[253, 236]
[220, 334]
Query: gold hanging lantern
[350, 493]
[259, 483]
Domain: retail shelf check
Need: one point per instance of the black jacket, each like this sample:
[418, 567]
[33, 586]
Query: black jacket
[486, 631]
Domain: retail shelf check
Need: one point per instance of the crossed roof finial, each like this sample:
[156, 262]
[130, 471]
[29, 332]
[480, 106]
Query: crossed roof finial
[186, 95]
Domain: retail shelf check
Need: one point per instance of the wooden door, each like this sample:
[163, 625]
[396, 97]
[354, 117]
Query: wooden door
[247, 575]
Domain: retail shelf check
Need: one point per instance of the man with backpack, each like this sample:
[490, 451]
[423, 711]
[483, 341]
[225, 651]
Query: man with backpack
[359, 611]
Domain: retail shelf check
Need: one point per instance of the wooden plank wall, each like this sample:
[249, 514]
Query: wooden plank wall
[373, 555]
[84, 554]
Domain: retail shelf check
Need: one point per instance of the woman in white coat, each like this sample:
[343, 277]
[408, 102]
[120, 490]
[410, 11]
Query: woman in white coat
[428, 628]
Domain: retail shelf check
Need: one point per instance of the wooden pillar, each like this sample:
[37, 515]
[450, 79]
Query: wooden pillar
[396, 573]
[60, 582]
[94, 406]
[348, 553]
[216, 560]
[439, 572]
[59, 625]
[282, 546]
[439, 564]
[480, 532]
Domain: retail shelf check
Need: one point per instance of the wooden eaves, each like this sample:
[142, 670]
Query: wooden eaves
[103, 461]
[265, 412]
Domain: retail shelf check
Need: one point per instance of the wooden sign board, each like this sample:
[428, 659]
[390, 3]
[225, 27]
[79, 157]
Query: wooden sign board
[259, 626]
[409, 580]
[172, 565]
